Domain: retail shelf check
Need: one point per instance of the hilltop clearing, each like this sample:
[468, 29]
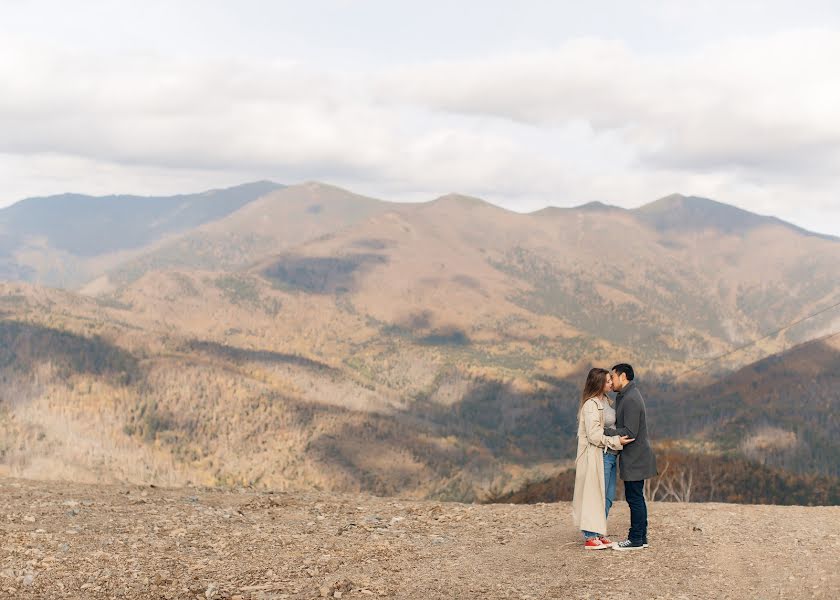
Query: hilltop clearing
[81, 541]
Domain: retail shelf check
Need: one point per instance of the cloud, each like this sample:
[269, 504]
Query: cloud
[151, 109]
[753, 103]
[746, 121]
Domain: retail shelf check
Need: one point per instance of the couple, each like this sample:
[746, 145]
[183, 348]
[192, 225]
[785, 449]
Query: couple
[604, 434]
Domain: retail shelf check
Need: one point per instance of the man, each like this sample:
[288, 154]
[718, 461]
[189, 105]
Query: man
[637, 461]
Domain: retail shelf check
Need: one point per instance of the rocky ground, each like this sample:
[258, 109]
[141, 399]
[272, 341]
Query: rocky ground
[77, 541]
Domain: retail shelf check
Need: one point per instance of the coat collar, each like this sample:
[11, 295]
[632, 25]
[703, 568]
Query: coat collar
[630, 385]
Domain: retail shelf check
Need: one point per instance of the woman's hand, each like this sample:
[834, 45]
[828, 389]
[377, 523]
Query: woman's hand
[624, 440]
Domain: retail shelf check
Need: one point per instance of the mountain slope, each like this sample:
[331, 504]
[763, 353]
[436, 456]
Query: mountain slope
[55, 239]
[431, 349]
[477, 271]
[781, 411]
[277, 220]
[692, 213]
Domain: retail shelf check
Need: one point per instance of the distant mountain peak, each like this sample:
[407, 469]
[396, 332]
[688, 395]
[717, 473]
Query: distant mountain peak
[682, 202]
[87, 226]
[317, 185]
[677, 212]
[320, 189]
[594, 206]
[597, 205]
[463, 201]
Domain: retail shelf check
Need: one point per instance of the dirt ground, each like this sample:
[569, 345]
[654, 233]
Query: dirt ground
[63, 540]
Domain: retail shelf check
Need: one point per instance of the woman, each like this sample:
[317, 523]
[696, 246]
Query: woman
[590, 505]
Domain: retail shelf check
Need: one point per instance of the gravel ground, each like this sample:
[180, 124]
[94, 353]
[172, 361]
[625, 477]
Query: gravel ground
[65, 540]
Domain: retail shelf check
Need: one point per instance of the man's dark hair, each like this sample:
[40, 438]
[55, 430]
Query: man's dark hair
[626, 369]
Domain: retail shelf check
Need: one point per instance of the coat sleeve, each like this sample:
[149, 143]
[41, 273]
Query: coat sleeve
[631, 415]
[594, 431]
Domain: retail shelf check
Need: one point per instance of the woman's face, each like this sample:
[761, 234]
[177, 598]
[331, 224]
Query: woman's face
[608, 384]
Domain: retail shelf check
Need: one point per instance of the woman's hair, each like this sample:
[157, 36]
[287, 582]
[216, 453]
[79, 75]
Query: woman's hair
[594, 386]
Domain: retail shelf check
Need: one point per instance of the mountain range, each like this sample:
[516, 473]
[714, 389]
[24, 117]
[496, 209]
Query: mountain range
[306, 336]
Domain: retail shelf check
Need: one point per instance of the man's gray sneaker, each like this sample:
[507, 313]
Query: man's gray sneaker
[628, 545]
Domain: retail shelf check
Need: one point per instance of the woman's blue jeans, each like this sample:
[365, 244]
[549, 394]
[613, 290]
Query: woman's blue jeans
[610, 473]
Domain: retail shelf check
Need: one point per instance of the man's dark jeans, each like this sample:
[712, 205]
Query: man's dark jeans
[634, 492]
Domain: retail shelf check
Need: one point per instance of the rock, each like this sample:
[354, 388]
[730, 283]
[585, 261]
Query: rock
[211, 591]
[345, 585]
[29, 519]
[28, 579]
[324, 591]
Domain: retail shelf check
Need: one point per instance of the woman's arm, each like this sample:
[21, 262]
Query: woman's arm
[594, 431]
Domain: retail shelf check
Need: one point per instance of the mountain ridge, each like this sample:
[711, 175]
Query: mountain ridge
[316, 338]
[690, 213]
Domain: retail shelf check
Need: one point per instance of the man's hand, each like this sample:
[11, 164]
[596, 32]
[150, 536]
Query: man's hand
[624, 440]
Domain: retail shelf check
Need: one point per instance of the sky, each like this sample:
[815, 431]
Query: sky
[523, 104]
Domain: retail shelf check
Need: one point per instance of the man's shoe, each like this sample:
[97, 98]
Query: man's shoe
[594, 544]
[607, 542]
[628, 545]
[644, 543]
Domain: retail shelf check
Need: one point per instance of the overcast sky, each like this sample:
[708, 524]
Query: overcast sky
[524, 104]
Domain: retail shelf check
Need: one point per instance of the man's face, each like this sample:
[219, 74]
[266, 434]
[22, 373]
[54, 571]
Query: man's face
[619, 380]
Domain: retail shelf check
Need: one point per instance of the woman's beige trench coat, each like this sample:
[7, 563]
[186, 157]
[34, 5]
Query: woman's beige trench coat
[589, 501]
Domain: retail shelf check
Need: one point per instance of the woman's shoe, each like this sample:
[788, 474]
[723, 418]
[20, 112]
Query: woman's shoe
[606, 542]
[594, 544]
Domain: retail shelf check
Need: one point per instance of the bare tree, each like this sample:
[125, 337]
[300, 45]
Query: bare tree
[651, 488]
[678, 486]
[714, 477]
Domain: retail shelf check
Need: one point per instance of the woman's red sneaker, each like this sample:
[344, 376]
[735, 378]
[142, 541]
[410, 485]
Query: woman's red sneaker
[594, 544]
